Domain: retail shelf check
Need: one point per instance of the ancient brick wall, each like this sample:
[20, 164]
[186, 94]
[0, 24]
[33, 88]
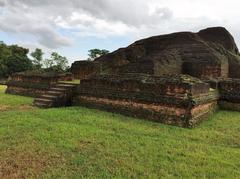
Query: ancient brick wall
[177, 99]
[84, 69]
[203, 69]
[229, 94]
[168, 61]
[209, 53]
[146, 67]
[224, 70]
[30, 84]
[65, 77]
[230, 90]
[219, 35]
[234, 66]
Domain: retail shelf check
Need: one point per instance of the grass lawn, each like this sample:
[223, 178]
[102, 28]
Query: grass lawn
[77, 142]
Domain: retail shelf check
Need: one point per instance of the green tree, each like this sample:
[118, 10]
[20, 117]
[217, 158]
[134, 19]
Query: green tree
[13, 59]
[5, 53]
[37, 60]
[56, 63]
[95, 53]
[18, 61]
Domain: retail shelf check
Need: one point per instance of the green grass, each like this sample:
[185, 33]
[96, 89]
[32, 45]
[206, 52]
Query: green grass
[72, 82]
[77, 142]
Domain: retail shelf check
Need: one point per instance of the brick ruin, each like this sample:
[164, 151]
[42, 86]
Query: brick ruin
[65, 76]
[209, 53]
[87, 69]
[229, 90]
[34, 84]
[176, 79]
[171, 99]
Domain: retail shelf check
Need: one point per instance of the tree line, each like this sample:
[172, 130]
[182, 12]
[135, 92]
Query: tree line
[14, 58]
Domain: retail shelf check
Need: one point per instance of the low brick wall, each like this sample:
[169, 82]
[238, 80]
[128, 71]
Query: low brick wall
[32, 85]
[177, 99]
[65, 77]
[230, 94]
[84, 69]
[230, 90]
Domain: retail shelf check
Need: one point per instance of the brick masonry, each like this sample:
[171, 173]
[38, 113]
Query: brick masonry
[211, 53]
[176, 99]
[176, 79]
[34, 84]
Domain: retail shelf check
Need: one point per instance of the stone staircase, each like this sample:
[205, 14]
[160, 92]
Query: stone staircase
[58, 95]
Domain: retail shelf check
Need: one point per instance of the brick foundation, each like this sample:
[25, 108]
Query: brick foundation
[172, 115]
[176, 99]
[33, 85]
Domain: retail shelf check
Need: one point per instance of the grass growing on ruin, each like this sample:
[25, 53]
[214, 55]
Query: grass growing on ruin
[78, 142]
[72, 82]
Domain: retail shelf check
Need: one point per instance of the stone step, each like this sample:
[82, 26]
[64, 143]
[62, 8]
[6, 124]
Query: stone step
[43, 100]
[72, 84]
[58, 89]
[49, 96]
[52, 92]
[65, 85]
[56, 92]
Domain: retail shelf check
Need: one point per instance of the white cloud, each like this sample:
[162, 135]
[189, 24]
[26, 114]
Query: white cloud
[88, 25]
[2, 3]
[56, 23]
[21, 20]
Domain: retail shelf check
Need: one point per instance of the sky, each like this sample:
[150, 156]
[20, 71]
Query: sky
[72, 27]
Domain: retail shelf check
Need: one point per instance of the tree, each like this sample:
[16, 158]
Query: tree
[95, 53]
[37, 60]
[56, 63]
[5, 53]
[13, 59]
[18, 61]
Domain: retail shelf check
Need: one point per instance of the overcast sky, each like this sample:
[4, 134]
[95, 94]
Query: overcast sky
[72, 27]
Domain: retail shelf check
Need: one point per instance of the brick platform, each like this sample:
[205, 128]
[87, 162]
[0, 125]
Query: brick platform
[176, 99]
[33, 84]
